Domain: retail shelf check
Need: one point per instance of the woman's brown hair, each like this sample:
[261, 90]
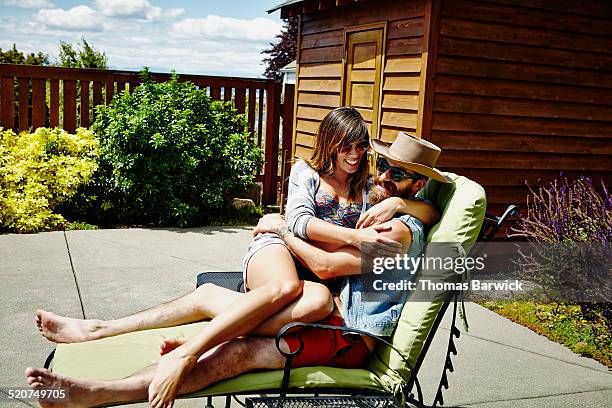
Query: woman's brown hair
[341, 126]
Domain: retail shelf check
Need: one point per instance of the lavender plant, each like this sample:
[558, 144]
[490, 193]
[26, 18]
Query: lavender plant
[567, 211]
[570, 212]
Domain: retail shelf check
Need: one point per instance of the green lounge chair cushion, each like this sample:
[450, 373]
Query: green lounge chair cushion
[120, 356]
[463, 205]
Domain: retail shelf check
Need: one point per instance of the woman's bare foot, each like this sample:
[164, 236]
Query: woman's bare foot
[168, 345]
[60, 329]
[169, 375]
[79, 392]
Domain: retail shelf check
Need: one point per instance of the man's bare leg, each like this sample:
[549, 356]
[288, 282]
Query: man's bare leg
[225, 361]
[203, 303]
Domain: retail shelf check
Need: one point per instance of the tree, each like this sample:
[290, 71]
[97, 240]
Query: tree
[14, 56]
[86, 56]
[284, 51]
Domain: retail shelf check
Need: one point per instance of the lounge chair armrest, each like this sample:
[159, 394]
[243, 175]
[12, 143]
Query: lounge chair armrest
[289, 355]
[283, 331]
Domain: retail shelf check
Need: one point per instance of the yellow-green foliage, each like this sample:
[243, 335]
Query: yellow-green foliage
[40, 170]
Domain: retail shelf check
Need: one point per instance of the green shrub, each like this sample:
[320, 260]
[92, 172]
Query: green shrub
[39, 171]
[170, 155]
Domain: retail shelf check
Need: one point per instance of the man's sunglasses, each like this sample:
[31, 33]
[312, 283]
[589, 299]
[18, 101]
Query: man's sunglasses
[397, 173]
[359, 146]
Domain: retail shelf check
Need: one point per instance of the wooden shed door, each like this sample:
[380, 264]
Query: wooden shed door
[361, 88]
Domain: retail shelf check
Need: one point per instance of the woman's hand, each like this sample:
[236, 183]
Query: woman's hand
[171, 371]
[373, 235]
[379, 213]
[270, 223]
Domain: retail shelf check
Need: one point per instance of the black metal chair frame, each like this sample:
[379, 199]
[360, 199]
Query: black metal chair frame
[233, 281]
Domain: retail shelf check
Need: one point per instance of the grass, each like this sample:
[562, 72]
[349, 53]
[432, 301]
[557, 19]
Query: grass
[79, 225]
[564, 324]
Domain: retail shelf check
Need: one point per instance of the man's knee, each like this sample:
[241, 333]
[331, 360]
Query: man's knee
[206, 289]
[286, 290]
[318, 303]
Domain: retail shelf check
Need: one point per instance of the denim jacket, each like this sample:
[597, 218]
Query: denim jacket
[379, 317]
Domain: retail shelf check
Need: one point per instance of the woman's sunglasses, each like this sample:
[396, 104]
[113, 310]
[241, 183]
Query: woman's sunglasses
[397, 173]
[359, 146]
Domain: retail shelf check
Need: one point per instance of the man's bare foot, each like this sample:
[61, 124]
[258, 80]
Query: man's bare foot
[168, 345]
[79, 391]
[60, 329]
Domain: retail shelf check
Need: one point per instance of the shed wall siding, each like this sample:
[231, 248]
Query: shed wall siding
[320, 66]
[523, 90]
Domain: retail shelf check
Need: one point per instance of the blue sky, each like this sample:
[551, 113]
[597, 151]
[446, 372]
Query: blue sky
[199, 37]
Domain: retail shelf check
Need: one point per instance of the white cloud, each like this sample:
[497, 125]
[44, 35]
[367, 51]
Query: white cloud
[174, 12]
[212, 45]
[259, 29]
[35, 4]
[140, 9]
[77, 18]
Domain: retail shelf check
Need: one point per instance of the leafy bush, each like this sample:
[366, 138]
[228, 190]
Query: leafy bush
[39, 171]
[170, 155]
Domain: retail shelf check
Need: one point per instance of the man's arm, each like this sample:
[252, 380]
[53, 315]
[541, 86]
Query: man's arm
[386, 209]
[343, 261]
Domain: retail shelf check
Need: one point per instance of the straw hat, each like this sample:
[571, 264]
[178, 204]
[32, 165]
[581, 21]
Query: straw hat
[413, 154]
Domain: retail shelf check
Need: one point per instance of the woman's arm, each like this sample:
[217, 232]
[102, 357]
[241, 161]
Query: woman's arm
[333, 236]
[423, 210]
[323, 231]
[301, 207]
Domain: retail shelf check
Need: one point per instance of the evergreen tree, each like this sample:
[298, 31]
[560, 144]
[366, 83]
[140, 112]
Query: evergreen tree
[86, 56]
[14, 56]
[283, 52]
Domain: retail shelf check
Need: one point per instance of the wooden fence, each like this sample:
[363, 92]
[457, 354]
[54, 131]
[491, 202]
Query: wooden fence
[30, 97]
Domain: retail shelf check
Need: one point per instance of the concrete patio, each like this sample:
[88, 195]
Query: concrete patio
[108, 273]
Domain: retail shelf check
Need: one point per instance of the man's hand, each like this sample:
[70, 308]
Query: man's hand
[379, 213]
[171, 371]
[274, 223]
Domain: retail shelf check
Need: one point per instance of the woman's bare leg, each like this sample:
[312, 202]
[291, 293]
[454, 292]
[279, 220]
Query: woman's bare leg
[242, 317]
[313, 305]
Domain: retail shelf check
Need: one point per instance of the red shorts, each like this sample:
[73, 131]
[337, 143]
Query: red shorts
[325, 347]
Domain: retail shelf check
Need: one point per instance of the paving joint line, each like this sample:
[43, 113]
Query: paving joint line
[76, 281]
[535, 397]
[535, 352]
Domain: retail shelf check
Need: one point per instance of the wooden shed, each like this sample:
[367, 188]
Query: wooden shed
[511, 90]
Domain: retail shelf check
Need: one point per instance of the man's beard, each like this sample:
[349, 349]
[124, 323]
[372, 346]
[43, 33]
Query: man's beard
[381, 190]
